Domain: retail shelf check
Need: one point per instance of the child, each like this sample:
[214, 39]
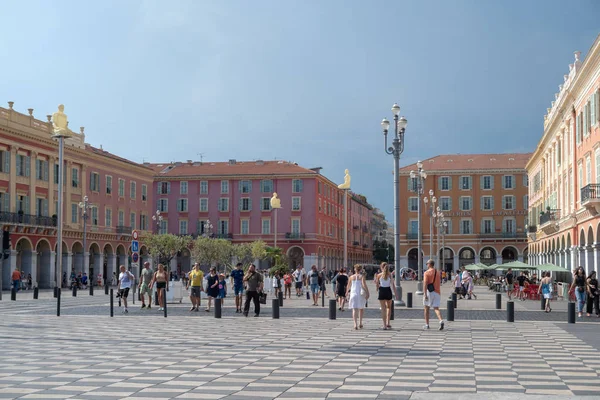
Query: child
[222, 288]
[277, 284]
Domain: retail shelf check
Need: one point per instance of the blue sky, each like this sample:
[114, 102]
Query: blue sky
[307, 81]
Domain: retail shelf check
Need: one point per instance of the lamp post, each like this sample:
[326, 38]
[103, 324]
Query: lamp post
[431, 201]
[85, 206]
[420, 175]
[208, 226]
[444, 226]
[158, 219]
[396, 150]
[440, 224]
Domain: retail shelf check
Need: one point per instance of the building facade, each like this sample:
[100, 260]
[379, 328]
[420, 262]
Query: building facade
[119, 193]
[484, 198]
[231, 200]
[565, 172]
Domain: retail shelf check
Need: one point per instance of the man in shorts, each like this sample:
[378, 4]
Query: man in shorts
[522, 282]
[431, 298]
[509, 277]
[145, 279]
[237, 281]
[299, 277]
[125, 280]
[196, 277]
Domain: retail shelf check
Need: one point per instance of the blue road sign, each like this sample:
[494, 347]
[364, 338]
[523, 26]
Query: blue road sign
[135, 246]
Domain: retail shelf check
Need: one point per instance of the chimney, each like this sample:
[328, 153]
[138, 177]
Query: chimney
[260, 162]
[232, 161]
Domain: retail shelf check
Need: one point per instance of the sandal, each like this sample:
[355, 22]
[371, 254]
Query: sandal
[360, 326]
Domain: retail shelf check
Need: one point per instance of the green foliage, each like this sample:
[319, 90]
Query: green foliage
[209, 251]
[164, 247]
[282, 269]
[382, 252]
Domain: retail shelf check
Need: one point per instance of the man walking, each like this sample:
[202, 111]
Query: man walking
[432, 294]
[254, 285]
[196, 277]
[145, 279]
[509, 277]
[125, 280]
[237, 281]
[299, 276]
[16, 279]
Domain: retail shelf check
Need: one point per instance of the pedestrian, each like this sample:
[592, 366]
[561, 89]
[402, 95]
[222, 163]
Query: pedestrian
[432, 294]
[212, 288]
[333, 282]
[509, 278]
[299, 276]
[522, 281]
[254, 286]
[386, 292]
[196, 277]
[124, 284]
[84, 280]
[287, 285]
[145, 285]
[458, 288]
[545, 289]
[341, 285]
[277, 284]
[29, 282]
[99, 280]
[467, 281]
[313, 280]
[237, 281]
[324, 281]
[359, 294]
[579, 286]
[592, 294]
[222, 289]
[16, 279]
[160, 278]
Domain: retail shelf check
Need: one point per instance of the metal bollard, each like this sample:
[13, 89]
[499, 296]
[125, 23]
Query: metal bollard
[156, 298]
[450, 312]
[392, 310]
[55, 291]
[133, 294]
[498, 301]
[542, 303]
[571, 312]
[280, 299]
[91, 289]
[106, 290]
[58, 303]
[409, 300]
[13, 294]
[218, 308]
[275, 308]
[510, 311]
[74, 290]
[322, 298]
[454, 300]
[36, 293]
[112, 303]
[332, 308]
[165, 303]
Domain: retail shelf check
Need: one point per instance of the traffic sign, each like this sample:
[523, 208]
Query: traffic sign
[135, 257]
[135, 246]
[135, 235]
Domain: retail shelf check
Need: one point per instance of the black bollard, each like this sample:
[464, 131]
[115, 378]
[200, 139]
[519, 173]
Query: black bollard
[322, 298]
[58, 303]
[542, 303]
[165, 302]
[332, 308]
[156, 298]
[571, 312]
[106, 290]
[454, 300]
[55, 291]
[275, 308]
[112, 304]
[36, 293]
[450, 312]
[133, 294]
[392, 310]
[218, 307]
[13, 294]
[510, 311]
[280, 299]
[74, 290]
[409, 300]
[91, 289]
[498, 301]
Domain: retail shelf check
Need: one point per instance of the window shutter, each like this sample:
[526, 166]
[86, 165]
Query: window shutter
[481, 182]
[493, 225]
[514, 202]
[482, 227]
[7, 162]
[6, 202]
[27, 166]
[481, 202]
[26, 211]
[45, 208]
[46, 166]
[440, 183]
[449, 203]
[37, 167]
[158, 186]
[470, 183]
[241, 204]
[449, 183]
[492, 203]
[19, 173]
[598, 105]
[593, 109]
[409, 181]
[168, 187]
[492, 179]
[249, 204]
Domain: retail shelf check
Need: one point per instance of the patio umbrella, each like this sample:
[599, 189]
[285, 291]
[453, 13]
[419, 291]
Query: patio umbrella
[475, 267]
[519, 265]
[551, 268]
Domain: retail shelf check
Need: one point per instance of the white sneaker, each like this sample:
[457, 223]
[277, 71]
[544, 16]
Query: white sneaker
[441, 325]
[425, 326]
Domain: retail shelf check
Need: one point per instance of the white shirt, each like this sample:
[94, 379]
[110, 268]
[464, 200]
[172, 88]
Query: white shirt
[125, 279]
[299, 275]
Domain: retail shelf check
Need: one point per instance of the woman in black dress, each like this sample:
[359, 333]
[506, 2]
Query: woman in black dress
[341, 283]
[212, 287]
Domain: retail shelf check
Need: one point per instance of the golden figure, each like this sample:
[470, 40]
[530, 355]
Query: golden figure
[275, 202]
[60, 122]
[346, 184]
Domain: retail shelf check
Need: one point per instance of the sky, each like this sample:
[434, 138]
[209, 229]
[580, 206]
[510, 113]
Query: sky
[307, 81]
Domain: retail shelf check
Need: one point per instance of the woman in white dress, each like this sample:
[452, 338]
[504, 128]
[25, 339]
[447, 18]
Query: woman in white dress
[359, 294]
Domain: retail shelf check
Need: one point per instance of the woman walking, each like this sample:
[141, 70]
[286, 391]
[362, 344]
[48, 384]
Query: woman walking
[341, 285]
[546, 289]
[359, 294]
[592, 294]
[160, 278]
[212, 290]
[579, 285]
[387, 290]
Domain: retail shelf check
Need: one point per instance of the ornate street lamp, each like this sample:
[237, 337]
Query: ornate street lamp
[431, 201]
[158, 219]
[208, 227]
[396, 150]
[85, 206]
[420, 176]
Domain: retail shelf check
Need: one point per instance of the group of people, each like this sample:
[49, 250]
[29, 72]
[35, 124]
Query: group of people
[463, 284]
[586, 292]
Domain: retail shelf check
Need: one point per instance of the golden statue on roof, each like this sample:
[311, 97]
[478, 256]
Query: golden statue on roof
[346, 184]
[60, 122]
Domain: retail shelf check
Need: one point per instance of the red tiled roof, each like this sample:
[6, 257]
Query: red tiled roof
[462, 162]
[105, 153]
[229, 168]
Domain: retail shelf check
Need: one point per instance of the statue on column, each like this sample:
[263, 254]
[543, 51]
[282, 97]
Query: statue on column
[346, 184]
[60, 122]
[275, 202]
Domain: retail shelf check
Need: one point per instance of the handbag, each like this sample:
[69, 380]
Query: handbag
[262, 298]
[430, 286]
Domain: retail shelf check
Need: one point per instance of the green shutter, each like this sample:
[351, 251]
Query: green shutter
[240, 204]
[26, 210]
[46, 166]
[7, 162]
[249, 204]
[440, 183]
[27, 166]
[450, 183]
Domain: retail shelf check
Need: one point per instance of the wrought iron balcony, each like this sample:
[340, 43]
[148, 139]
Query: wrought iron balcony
[503, 235]
[27, 219]
[590, 196]
[365, 246]
[532, 228]
[227, 236]
[295, 235]
[122, 229]
[355, 244]
[549, 221]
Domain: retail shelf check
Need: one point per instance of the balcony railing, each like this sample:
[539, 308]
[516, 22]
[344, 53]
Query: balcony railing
[549, 215]
[365, 246]
[27, 219]
[503, 235]
[295, 235]
[228, 236]
[532, 229]
[589, 192]
[124, 229]
[355, 244]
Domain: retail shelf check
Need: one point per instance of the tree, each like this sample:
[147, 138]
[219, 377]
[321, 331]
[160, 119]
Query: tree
[209, 251]
[163, 248]
[279, 261]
